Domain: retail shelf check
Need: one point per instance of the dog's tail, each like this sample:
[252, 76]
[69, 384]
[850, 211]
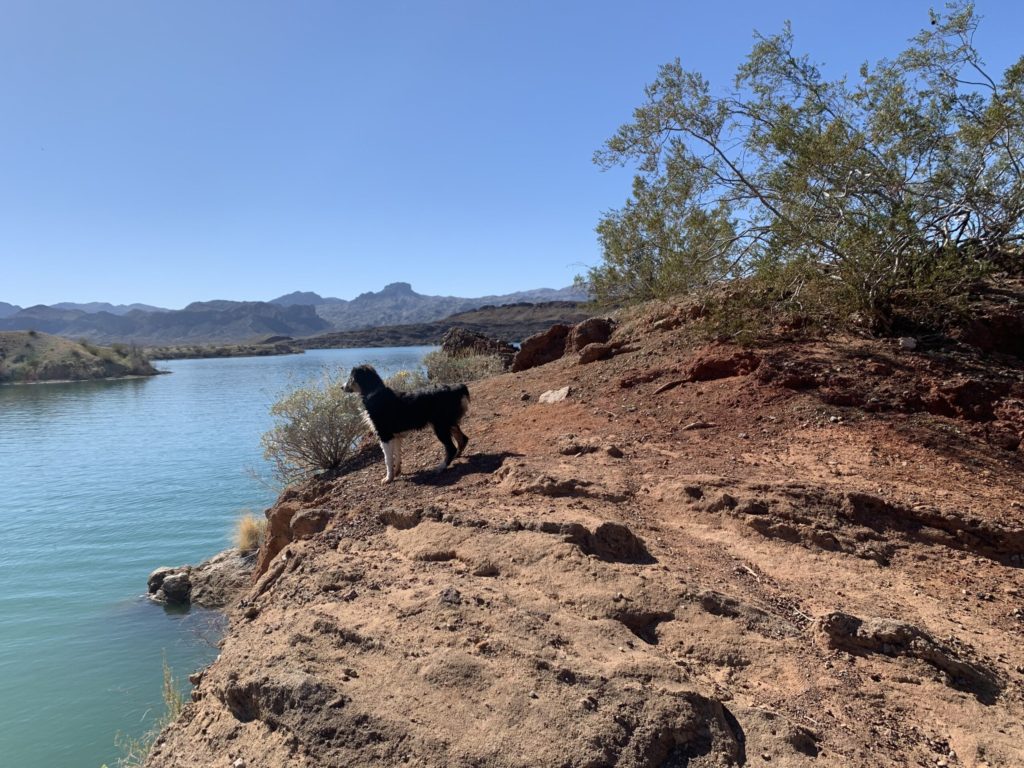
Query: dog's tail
[464, 391]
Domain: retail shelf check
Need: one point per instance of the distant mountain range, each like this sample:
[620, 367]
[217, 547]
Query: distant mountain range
[6, 310]
[399, 304]
[298, 314]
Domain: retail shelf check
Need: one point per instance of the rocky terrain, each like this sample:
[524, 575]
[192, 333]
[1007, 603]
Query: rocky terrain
[512, 321]
[802, 554]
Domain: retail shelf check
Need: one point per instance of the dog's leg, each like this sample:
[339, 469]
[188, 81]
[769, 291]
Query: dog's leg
[449, 447]
[389, 461]
[398, 455]
[460, 439]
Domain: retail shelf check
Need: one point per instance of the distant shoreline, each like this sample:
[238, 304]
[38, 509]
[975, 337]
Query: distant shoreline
[82, 381]
[32, 357]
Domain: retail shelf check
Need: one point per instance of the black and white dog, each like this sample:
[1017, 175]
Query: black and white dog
[391, 414]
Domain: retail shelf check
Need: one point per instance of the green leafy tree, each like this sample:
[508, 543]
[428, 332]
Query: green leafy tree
[896, 190]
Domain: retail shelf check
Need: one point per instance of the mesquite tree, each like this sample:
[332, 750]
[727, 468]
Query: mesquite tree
[897, 187]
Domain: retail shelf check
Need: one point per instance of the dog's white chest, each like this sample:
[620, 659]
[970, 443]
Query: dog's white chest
[369, 423]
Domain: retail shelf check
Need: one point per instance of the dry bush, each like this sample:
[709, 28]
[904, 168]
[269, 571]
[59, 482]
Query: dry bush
[443, 368]
[250, 531]
[316, 427]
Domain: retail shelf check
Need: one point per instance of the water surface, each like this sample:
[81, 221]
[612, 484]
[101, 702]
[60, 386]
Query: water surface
[101, 482]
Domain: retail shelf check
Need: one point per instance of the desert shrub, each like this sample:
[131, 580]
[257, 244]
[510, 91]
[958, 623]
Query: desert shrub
[134, 751]
[250, 531]
[406, 381]
[315, 429]
[443, 368]
[874, 200]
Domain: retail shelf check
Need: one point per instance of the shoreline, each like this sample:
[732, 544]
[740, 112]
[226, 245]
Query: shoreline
[82, 381]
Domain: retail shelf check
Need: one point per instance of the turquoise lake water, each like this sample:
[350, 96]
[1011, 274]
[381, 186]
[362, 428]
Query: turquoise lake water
[100, 483]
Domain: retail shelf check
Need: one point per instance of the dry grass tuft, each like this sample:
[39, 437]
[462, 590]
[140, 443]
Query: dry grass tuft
[249, 532]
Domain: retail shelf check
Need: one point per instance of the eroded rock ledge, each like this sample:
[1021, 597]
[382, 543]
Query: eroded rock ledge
[214, 583]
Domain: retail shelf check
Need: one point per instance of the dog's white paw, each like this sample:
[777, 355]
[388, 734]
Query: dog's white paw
[386, 480]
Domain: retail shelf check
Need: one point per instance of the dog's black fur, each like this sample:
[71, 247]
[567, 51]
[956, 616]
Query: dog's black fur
[394, 413]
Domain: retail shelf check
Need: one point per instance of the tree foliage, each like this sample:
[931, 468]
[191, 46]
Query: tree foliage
[897, 188]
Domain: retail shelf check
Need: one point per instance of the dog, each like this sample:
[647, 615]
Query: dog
[393, 414]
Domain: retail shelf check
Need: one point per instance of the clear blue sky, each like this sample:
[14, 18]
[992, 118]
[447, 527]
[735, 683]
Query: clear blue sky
[177, 150]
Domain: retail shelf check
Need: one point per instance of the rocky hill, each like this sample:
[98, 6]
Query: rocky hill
[200, 322]
[801, 554]
[399, 304]
[511, 322]
[29, 357]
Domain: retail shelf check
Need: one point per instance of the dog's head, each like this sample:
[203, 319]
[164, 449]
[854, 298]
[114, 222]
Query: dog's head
[363, 380]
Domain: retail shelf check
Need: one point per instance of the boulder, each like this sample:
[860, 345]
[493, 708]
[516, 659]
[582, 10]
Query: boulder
[596, 330]
[596, 351]
[213, 583]
[541, 348]
[156, 579]
[721, 365]
[176, 587]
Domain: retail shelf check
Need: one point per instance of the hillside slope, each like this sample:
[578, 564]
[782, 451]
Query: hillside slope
[512, 322]
[35, 357]
[805, 554]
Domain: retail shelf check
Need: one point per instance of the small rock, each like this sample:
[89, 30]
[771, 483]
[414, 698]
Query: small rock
[451, 596]
[555, 395]
[239, 763]
[907, 343]
[525, 396]
[698, 425]
[614, 451]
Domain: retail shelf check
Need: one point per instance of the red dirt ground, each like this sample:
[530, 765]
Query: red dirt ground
[804, 554]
